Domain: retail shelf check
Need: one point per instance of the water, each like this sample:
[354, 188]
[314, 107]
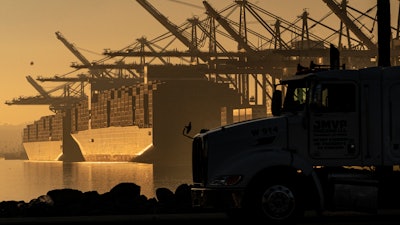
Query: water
[23, 180]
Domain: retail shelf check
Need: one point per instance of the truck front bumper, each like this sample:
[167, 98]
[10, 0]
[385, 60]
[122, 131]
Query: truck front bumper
[222, 199]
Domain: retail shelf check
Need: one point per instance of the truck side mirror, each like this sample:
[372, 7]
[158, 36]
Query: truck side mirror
[276, 105]
[187, 129]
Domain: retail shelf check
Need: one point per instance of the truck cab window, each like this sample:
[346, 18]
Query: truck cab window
[295, 99]
[333, 97]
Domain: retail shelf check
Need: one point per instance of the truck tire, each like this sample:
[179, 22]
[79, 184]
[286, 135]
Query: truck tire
[276, 201]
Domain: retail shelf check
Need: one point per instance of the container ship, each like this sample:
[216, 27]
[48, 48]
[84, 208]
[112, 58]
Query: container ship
[139, 122]
[113, 127]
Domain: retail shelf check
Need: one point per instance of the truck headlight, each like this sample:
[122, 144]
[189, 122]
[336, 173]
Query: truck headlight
[226, 180]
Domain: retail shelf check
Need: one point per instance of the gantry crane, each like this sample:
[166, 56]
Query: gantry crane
[39, 88]
[99, 75]
[342, 14]
[67, 99]
[251, 60]
[182, 36]
[93, 70]
[242, 42]
[97, 70]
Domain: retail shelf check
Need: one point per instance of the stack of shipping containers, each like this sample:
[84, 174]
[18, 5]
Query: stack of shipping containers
[47, 128]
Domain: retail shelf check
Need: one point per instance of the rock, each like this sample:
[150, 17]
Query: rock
[124, 198]
[10, 208]
[41, 206]
[67, 201]
[183, 197]
[125, 191]
[166, 200]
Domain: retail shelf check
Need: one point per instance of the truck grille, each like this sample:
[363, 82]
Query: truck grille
[199, 161]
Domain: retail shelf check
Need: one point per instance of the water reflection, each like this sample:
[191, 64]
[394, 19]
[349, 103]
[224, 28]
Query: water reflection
[27, 180]
[40, 177]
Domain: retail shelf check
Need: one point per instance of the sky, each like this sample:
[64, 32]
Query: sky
[29, 45]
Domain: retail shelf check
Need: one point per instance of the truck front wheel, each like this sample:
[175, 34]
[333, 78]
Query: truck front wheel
[276, 202]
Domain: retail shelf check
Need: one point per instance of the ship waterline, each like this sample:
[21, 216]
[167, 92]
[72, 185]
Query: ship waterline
[104, 144]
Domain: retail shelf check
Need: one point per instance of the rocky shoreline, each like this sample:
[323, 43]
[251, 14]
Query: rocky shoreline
[123, 199]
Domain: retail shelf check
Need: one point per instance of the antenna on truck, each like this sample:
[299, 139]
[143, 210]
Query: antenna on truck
[334, 57]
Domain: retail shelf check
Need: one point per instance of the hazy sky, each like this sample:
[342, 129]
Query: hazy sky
[28, 35]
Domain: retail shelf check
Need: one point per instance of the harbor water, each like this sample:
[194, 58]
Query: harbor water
[24, 180]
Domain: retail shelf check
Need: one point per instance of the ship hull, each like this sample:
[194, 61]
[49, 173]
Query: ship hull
[104, 144]
[43, 150]
[114, 143]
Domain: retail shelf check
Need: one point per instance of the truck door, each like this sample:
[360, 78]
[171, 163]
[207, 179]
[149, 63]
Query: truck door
[391, 121]
[334, 124]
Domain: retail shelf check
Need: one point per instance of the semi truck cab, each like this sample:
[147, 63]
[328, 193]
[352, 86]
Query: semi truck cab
[332, 143]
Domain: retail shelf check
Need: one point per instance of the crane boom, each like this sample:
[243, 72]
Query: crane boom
[72, 48]
[169, 25]
[349, 23]
[146, 43]
[165, 22]
[211, 11]
[95, 72]
[38, 87]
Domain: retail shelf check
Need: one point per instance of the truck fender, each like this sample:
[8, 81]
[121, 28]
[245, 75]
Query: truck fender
[249, 164]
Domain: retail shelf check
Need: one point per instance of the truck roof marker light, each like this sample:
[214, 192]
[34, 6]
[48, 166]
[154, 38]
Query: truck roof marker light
[227, 180]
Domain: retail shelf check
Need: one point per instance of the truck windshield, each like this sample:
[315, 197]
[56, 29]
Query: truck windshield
[328, 97]
[296, 97]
